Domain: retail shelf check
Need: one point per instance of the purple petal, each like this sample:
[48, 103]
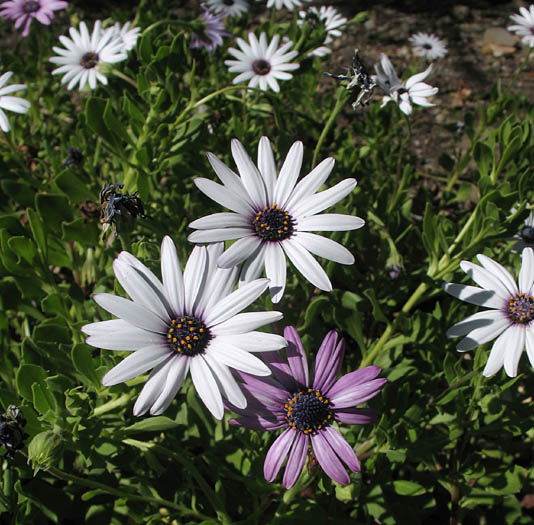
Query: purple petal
[281, 370]
[357, 416]
[264, 389]
[256, 423]
[328, 362]
[350, 396]
[296, 460]
[353, 379]
[296, 356]
[277, 454]
[342, 448]
[328, 460]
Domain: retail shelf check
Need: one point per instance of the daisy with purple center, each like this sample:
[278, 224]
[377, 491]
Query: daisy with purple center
[308, 409]
[272, 216]
[190, 322]
[24, 11]
[511, 315]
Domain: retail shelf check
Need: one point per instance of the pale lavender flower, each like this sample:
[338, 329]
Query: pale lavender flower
[308, 408]
[24, 11]
[235, 8]
[510, 317]
[524, 25]
[212, 33]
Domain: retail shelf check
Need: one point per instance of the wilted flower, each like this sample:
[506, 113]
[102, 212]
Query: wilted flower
[272, 216]
[526, 234]
[428, 45]
[309, 410]
[11, 434]
[119, 209]
[413, 91]
[331, 19]
[511, 314]
[524, 25]
[24, 11]
[211, 35]
[74, 158]
[84, 55]
[234, 8]
[262, 63]
[190, 322]
[16, 104]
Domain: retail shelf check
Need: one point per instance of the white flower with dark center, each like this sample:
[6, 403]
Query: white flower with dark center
[524, 25]
[235, 8]
[16, 104]
[190, 322]
[84, 54]
[127, 36]
[428, 45]
[261, 62]
[288, 4]
[331, 19]
[272, 216]
[413, 91]
[511, 314]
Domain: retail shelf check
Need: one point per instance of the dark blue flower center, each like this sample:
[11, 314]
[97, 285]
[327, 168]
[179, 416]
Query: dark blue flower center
[261, 66]
[31, 6]
[527, 234]
[188, 335]
[521, 308]
[307, 411]
[89, 60]
[273, 224]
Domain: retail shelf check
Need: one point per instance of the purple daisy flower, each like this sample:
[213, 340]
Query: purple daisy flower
[212, 32]
[286, 400]
[23, 11]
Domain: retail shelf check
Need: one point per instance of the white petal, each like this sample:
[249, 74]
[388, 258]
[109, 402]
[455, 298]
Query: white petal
[206, 386]
[131, 312]
[133, 339]
[235, 302]
[171, 274]
[307, 265]
[102, 328]
[330, 222]
[254, 341]
[500, 272]
[222, 284]
[250, 175]
[136, 363]
[226, 382]
[485, 278]
[474, 295]
[239, 251]
[529, 341]
[218, 235]
[153, 387]
[223, 196]
[478, 320]
[178, 369]
[288, 174]
[221, 220]
[245, 322]
[194, 275]
[254, 265]
[311, 182]
[515, 343]
[482, 335]
[324, 247]
[267, 166]
[275, 270]
[526, 274]
[237, 358]
[320, 201]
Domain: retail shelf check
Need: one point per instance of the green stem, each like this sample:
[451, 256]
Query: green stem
[120, 74]
[340, 102]
[123, 494]
[304, 481]
[191, 469]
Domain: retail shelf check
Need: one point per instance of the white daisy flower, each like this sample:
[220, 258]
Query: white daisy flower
[262, 63]
[511, 314]
[235, 8]
[413, 91]
[84, 55]
[190, 322]
[127, 36]
[525, 237]
[272, 216]
[16, 104]
[331, 19]
[288, 4]
[428, 45]
[524, 25]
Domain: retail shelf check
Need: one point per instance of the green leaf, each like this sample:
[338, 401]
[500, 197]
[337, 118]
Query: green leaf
[54, 208]
[94, 114]
[114, 125]
[378, 314]
[83, 362]
[43, 400]
[152, 424]
[408, 488]
[484, 157]
[20, 191]
[26, 376]
[39, 236]
[75, 188]
[24, 248]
